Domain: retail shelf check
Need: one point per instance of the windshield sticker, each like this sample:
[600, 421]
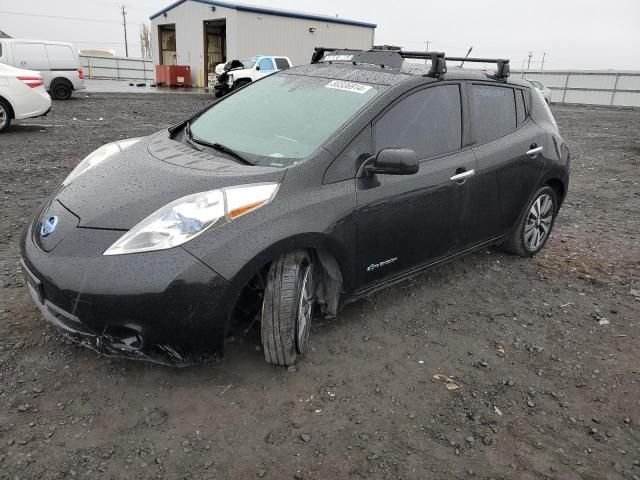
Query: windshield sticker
[348, 86]
[338, 58]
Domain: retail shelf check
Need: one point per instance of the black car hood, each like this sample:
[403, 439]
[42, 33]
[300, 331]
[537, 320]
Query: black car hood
[129, 186]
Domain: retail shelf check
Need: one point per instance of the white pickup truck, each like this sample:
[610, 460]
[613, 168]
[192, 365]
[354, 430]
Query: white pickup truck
[237, 73]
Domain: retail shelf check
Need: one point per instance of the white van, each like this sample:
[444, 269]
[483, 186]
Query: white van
[57, 62]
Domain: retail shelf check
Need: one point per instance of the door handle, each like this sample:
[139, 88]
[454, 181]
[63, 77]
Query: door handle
[463, 175]
[534, 150]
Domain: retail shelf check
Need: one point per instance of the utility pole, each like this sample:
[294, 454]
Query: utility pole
[529, 60]
[124, 24]
[427, 42]
[544, 54]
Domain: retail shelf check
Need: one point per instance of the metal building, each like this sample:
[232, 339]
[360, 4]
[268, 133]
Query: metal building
[203, 33]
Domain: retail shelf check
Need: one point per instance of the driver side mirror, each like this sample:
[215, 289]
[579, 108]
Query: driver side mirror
[257, 67]
[393, 161]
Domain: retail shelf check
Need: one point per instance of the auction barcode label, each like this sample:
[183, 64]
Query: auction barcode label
[348, 86]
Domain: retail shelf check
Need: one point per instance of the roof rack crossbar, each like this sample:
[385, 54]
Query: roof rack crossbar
[438, 61]
[503, 64]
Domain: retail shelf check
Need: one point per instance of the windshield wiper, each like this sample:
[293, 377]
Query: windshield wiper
[215, 146]
[223, 148]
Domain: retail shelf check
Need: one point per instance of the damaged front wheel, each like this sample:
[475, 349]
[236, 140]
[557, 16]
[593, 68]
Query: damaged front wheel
[287, 309]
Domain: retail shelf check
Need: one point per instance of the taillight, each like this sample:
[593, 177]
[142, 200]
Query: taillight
[33, 82]
[80, 73]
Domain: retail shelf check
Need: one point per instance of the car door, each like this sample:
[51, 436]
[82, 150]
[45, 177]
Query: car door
[32, 56]
[502, 134]
[405, 222]
[265, 67]
[63, 62]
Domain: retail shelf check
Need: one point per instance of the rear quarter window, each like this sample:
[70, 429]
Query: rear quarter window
[520, 109]
[493, 112]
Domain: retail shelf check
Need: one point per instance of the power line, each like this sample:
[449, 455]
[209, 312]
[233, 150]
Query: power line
[59, 17]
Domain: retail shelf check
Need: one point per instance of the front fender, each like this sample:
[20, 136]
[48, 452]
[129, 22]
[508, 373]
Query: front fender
[307, 241]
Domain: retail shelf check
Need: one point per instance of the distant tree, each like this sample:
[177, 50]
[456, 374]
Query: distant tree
[145, 40]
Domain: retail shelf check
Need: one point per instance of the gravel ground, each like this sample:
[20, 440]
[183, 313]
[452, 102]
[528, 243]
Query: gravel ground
[544, 350]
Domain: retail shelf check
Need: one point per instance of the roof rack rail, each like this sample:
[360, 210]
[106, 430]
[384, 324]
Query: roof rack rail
[391, 58]
[384, 57]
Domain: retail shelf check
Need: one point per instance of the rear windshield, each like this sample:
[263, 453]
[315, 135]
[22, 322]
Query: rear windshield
[282, 118]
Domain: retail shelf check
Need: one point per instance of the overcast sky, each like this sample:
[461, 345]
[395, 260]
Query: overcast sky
[588, 34]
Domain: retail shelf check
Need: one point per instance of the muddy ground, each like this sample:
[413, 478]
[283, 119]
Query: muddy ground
[546, 391]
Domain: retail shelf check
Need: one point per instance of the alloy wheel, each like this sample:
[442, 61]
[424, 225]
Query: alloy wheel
[4, 116]
[305, 310]
[538, 224]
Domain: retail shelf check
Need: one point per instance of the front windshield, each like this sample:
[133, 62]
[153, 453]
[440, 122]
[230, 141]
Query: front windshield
[249, 62]
[282, 116]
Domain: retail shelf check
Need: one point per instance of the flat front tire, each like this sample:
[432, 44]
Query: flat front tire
[287, 309]
[535, 224]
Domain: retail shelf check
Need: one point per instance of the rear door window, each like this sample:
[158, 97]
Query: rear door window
[282, 63]
[493, 112]
[428, 122]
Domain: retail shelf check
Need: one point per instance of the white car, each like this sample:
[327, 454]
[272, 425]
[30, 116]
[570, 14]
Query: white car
[546, 91]
[237, 73]
[22, 95]
[57, 62]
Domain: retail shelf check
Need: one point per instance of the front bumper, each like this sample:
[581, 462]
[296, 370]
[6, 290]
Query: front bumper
[164, 306]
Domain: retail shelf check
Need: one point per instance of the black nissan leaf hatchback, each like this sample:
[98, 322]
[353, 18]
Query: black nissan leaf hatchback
[306, 189]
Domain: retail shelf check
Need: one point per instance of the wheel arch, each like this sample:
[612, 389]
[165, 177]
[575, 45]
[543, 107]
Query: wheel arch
[332, 277]
[238, 80]
[559, 188]
[64, 80]
[8, 103]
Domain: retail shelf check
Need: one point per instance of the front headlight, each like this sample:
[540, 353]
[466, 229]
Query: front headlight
[188, 217]
[230, 79]
[98, 156]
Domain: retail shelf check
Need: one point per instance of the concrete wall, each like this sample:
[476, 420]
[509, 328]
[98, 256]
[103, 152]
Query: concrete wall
[251, 33]
[593, 87]
[188, 18]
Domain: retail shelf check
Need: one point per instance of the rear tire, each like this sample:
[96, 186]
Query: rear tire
[61, 91]
[535, 225]
[5, 116]
[287, 309]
